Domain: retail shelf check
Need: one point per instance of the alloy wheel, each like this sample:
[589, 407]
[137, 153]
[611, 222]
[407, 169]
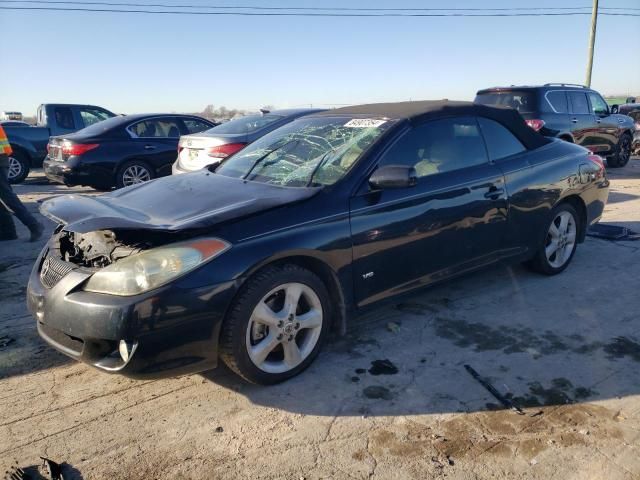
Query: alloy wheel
[561, 239]
[284, 328]
[625, 150]
[15, 168]
[135, 174]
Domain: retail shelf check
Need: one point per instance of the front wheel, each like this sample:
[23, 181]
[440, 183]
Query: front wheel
[560, 241]
[18, 168]
[623, 152]
[276, 326]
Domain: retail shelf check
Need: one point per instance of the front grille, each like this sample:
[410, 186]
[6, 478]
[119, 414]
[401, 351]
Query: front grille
[54, 270]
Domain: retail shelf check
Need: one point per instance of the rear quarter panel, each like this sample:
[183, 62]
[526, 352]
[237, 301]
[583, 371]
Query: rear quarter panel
[539, 180]
[33, 140]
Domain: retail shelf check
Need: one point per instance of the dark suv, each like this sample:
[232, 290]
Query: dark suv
[574, 113]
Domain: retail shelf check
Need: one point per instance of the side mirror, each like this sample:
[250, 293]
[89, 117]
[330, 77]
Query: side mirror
[614, 108]
[393, 176]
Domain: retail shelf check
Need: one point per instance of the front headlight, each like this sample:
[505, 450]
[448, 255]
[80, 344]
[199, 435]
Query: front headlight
[152, 268]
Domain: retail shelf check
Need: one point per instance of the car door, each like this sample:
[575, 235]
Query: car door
[155, 141]
[606, 133]
[454, 218]
[63, 121]
[583, 121]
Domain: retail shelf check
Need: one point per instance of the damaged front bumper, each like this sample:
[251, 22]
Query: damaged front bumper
[170, 331]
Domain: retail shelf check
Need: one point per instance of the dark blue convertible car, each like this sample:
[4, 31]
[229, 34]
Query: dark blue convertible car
[254, 261]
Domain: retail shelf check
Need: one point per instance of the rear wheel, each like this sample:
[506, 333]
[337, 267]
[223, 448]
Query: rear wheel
[18, 167]
[133, 173]
[560, 241]
[623, 152]
[276, 326]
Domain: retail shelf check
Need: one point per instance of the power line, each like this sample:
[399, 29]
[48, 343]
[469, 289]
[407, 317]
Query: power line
[340, 9]
[304, 14]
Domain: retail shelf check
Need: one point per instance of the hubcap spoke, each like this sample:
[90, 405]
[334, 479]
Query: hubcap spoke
[292, 298]
[263, 314]
[292, 355]
[311, 319]
[260, 351]
[564, 223]
[553, 231]
[551, 248]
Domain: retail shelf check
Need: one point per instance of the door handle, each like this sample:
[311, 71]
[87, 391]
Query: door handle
[574, 120]
[149, 147]
[494, 192]
[598, 121]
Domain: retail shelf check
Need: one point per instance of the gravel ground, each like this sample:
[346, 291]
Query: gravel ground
[565, 348]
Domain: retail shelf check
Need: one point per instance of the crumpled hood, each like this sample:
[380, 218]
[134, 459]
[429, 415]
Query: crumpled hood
[180, 202]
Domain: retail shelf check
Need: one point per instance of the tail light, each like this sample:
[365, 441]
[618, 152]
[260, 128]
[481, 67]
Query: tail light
[535, 124]
[223, 151]
[75, 149]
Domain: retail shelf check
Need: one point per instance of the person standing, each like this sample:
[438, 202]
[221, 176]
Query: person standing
[9, 201]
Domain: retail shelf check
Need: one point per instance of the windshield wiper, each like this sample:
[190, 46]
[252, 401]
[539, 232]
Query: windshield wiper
[317, 167]
[255, 164]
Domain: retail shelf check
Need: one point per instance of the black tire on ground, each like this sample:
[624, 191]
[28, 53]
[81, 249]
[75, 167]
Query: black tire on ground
[540, 262]
[233, 337]
[19, 167]
[126, 167]
[623, 152]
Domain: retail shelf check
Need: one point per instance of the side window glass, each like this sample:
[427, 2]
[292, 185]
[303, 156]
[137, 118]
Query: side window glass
[439, 146]
[64, 118]
[501, 143]
[195, 126]
[558, 101]
[157, 128]
[578, 101]
[598, 105]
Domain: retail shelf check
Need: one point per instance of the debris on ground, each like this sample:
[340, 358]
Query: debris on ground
[53, 469]
[492, 390]
[612, 232]
[219, 429]
[5, 340]
[383, 367]
[393, 327]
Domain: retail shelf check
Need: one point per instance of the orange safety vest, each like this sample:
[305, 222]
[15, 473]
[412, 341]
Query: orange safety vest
[5, 148]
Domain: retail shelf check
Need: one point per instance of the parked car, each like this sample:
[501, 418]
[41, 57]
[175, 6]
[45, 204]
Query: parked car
[29, 143]
[121, 151]
[255, 260]
[11, 116]
[573, 113]
[214, 145]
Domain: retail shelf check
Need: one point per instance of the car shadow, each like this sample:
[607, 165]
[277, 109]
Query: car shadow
[532, 337]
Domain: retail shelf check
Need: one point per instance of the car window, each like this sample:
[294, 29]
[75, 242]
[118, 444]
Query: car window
[244, 125]
[598, 105]
[93, 115]
[522, 101]
[195, 126]
[501, 143]
[64, 118]
[156, 128]
[439, 146]
[307, 152]
[558, 100]
[578, 101]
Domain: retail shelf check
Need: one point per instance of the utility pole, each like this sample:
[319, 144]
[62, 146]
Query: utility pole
[592, 40]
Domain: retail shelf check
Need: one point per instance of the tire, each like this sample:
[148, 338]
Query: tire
[551, 263]
[129, 171]
[264, 299]
[623, 153]
[19, 167]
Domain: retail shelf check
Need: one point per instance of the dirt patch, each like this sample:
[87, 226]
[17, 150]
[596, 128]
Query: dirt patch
[377, 392]
[623, 346]
[509, 339]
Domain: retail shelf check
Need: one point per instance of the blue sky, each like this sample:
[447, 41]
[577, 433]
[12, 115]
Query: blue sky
[138, 63]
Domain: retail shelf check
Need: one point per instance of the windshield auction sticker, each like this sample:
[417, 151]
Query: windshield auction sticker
[364, 123]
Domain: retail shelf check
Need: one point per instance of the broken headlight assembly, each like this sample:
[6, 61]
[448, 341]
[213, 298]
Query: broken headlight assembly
[153, 268]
